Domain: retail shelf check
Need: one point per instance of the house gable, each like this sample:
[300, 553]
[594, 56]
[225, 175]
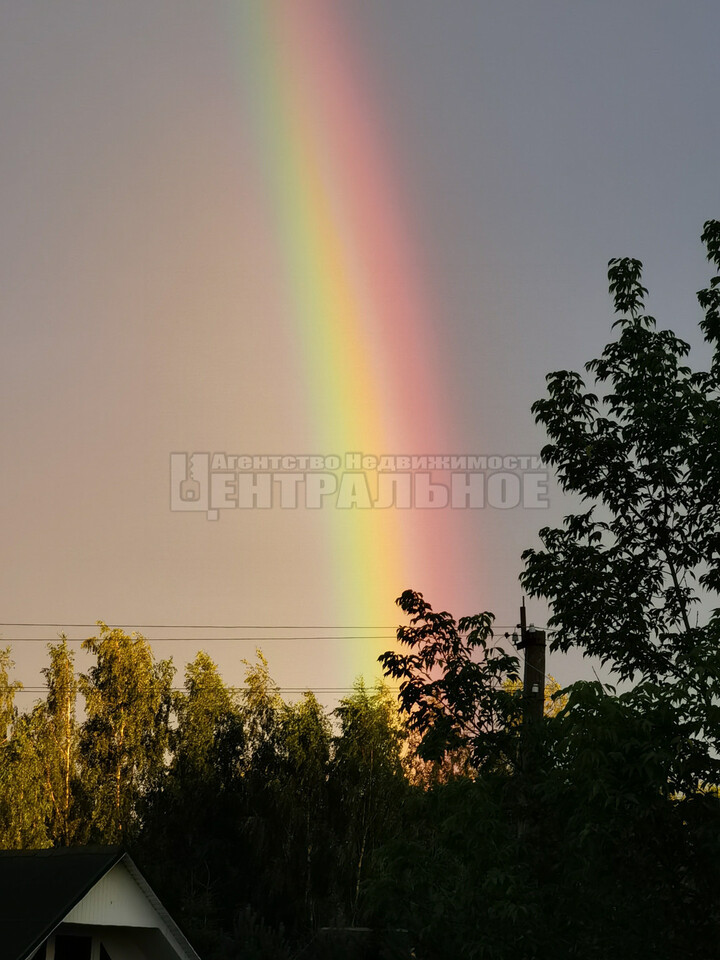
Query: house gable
[122, 899]
[115, 900]
[95, 894]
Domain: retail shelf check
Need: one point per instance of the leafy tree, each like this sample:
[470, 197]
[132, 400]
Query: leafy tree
[555, 698]
[24, 806]
[282, 796]
[189, 817]
[306, 748]
[453, 684]
[634, 864]
[456, 763]
[591, 856]
[200, 712]
[615, 820]
[125, 736]
[367, 785]
[261, 709]
[624, 577]
[8, 689]
[57, 741]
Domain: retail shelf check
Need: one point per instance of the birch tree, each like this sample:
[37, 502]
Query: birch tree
[124, 738]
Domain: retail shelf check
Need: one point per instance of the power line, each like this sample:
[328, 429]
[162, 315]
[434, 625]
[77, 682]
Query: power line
[206, 626]
[531, 666]
[210, 626]
[211, 639]
[304, 689]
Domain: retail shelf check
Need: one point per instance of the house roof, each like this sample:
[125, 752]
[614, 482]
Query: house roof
[38, 888]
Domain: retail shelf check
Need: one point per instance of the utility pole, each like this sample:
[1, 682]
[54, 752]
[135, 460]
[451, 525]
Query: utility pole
[532, 642]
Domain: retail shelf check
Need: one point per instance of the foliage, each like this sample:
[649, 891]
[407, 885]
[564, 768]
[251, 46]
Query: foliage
[23, 803]
[200, 712]
[366, 782]
[184, 813]
[428, 773]
[8, 689]
[635, 862]
[57, 742]
[124, 738]
[274, 830]
[25, 807]
[455, 877]
[591, 856]
[264, 821]
[304, 807]
[555, 698]
[452, 684]
[625, 576]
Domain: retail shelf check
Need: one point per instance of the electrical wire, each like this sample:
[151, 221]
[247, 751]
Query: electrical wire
[205, 626]
[234, 689]
[207, 639]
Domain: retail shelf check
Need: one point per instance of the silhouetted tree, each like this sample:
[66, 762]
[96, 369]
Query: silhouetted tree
[453, 687]
[625, 577]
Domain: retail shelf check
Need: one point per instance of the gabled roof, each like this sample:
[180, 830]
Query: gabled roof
[39, 888]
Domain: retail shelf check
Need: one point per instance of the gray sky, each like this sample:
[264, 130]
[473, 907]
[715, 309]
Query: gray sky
[140, 268]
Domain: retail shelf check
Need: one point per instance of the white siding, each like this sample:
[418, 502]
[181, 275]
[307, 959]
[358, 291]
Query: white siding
[120, 901]
[116, 901]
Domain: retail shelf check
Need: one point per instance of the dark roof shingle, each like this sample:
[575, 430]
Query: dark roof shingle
[40, 887]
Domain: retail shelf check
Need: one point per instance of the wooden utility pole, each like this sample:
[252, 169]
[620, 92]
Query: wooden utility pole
[532, 642]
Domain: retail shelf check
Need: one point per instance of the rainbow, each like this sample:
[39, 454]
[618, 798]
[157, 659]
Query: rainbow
[359, 311]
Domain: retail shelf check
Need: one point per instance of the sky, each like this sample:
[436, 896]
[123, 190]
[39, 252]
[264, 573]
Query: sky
[318, 229]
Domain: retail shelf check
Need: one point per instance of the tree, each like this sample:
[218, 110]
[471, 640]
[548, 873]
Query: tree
[200, 712]
[125, 736]
[57, 741]
[454, 874]
[24, 806]
[306, 742]
[634, 864]
[555, 698]
[261, 709]
[251, 762]
[453, 684]
[8, 689]
[624, 577]
[367, 785]
[423, 773]
[189, 815]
